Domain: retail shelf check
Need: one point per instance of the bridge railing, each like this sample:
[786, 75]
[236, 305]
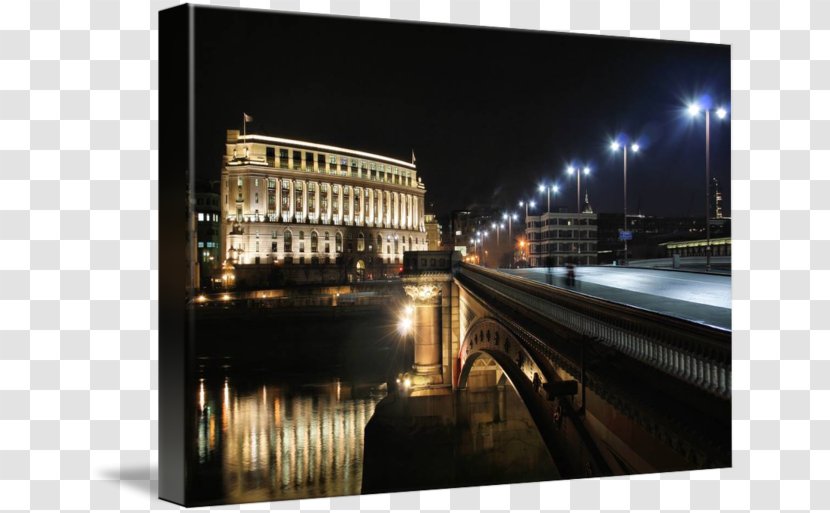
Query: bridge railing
[695, 353]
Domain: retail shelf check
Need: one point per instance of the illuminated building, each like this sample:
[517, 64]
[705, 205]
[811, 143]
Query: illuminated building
[207, 214]
[433, 231]
[558, 238]
[318, 213]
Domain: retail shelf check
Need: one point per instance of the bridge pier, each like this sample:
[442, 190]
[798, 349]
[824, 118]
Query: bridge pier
[428, 281]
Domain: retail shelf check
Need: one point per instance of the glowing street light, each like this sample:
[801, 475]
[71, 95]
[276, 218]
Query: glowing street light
[694, 109]
[635, 148]
[549, 188]
[572, 170]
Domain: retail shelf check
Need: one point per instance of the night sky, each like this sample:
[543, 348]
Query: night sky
[490, 113]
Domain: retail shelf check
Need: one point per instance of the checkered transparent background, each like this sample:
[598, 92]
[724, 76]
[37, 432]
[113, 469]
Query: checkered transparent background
[78, 253]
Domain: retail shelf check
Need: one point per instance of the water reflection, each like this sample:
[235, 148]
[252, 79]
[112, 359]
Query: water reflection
[282, 441]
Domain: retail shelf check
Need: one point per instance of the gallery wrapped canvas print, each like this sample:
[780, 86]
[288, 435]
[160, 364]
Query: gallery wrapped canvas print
[399, 256]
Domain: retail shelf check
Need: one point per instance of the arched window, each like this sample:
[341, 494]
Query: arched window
[314, 242]
[338, 242]
[380, 243]
[361, 244]
[286, 244]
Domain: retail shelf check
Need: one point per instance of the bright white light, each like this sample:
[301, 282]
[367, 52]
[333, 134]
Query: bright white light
[226, 297]
[587, 170]
[694, 109]
[635, 147]
[615, 146]
[504, 216]
[404, 325]
[555, 188]
[493, 226]
[409, 309]
[532, 204]
[407, 382]
[521, 203]
[541, 188]
[501, 226]
[721, 112]
[515, 216]
[570, 170]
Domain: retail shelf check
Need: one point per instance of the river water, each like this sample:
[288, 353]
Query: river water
[283, 440]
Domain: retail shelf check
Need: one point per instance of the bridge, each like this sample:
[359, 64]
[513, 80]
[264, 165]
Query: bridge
[624, 371]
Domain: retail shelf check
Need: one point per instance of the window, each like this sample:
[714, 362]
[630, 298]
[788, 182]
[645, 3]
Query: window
[256, 182]
[314, 242]
[200, 216]
[338, 242]
[257, 246]
[239, 182]
[298, 197]
[283, 157]
[335, 205]
[326, 236]
[256, 197]
[201, 244]
[380, 243]
[297, 157]
[285, 195]
[273, 247]
[311, 196]
[286, 242]
[349, 242]
[346, 190]
[361, 243]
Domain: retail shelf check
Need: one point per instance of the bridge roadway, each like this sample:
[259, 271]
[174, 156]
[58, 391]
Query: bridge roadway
[653, 390]
[697, 297]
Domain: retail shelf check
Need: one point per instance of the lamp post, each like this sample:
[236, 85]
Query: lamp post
[635, 148]
[548, 189]
[694, 109]
[571, 170]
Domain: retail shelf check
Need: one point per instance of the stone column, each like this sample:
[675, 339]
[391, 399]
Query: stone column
[426, 327]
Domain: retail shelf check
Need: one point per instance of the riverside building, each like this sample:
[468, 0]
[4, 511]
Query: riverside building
[305, 212]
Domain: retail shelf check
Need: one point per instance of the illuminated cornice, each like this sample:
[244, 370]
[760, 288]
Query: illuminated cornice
[325, 147]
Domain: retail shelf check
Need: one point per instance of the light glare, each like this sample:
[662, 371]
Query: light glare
[615, 146]
[721, 112]
[694, 109]
[635, 147]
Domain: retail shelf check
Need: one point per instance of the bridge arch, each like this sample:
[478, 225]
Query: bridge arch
[489, 337]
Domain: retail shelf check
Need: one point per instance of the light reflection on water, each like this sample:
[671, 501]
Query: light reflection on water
[276, 442]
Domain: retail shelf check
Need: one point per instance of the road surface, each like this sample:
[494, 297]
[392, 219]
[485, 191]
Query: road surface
[697, 297]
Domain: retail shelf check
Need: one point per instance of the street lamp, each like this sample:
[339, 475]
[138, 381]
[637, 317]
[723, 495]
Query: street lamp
[694, 109]
[585, 170]
[635, 148]
[548, 189]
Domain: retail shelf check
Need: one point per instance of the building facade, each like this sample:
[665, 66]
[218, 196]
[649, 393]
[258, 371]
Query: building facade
[433, 232]
[556, 238]
[207, 212]
[319, 213]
